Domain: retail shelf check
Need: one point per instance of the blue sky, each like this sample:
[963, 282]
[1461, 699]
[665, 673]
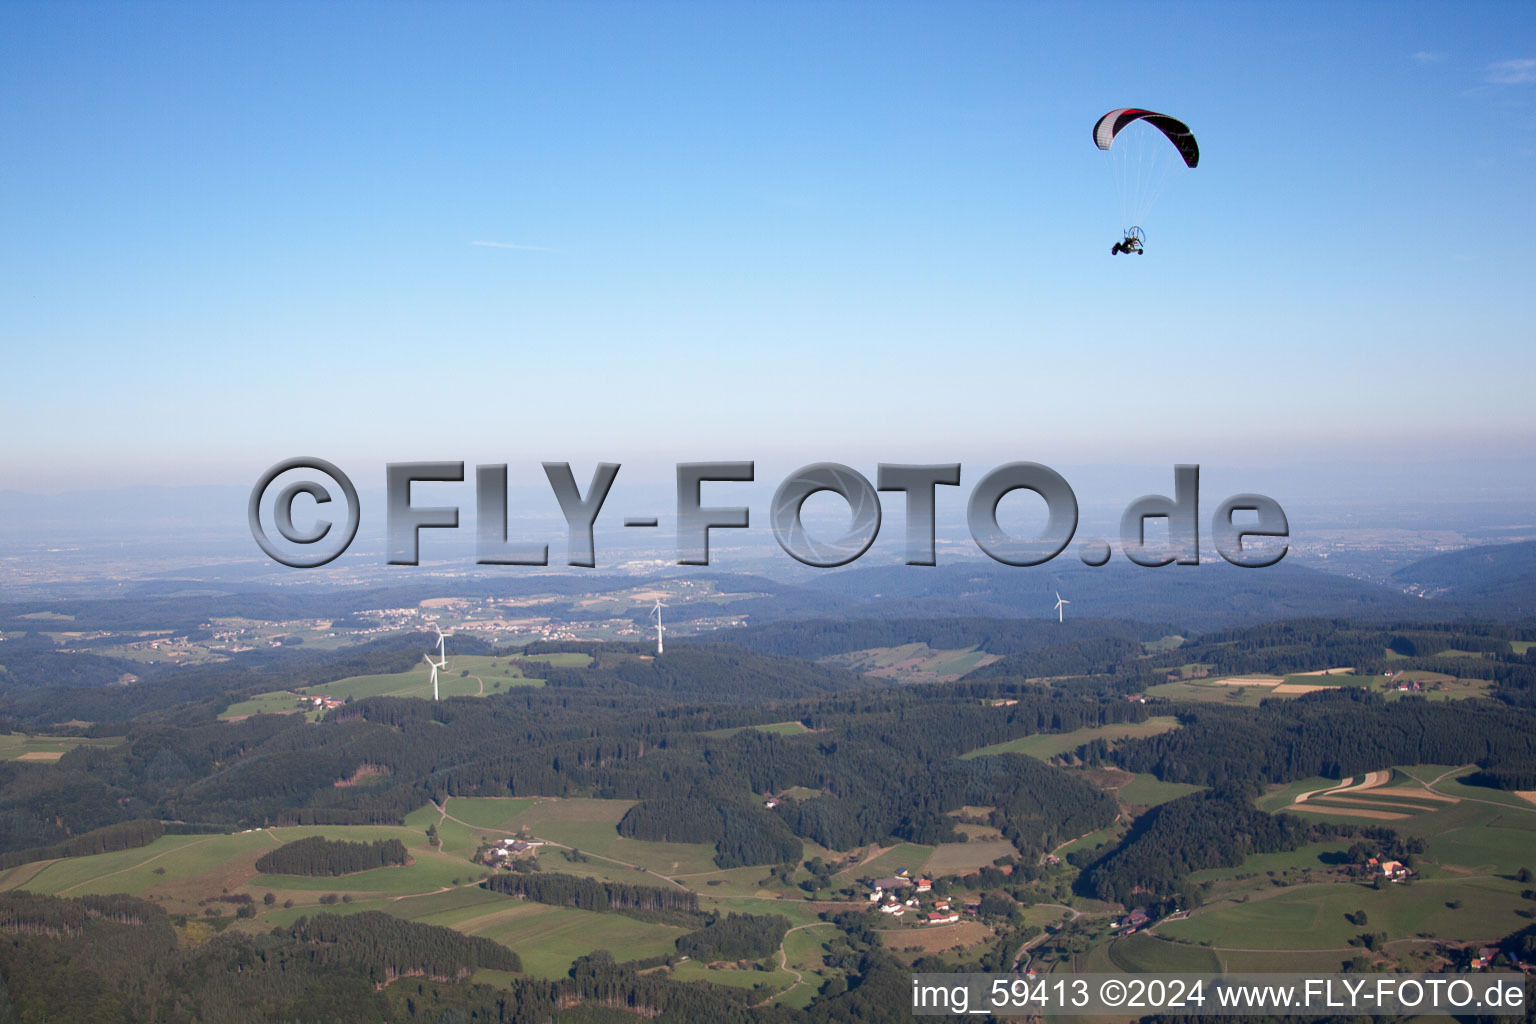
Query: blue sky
[795, 232]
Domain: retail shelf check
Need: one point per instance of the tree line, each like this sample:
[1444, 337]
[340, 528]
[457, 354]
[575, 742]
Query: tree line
[594, 894]
[317, 856]
[735, 937]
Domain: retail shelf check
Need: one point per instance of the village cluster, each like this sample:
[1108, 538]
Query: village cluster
[888, 892]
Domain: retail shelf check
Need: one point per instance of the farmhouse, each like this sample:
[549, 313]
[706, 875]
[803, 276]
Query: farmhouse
[1135, 919]
[941, 918]
[504, 850]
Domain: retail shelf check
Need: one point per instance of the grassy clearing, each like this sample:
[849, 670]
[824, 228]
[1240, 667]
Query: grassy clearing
[1106, 836]
[1318, 856]
[1167, 643]
[777, 728]
[963, 858]
[1186, 690]
[903, 855]
[722, 883]
[913, 663]
[1148, 791]
[592, 826]
[179, 871]
[1048, 745]
[693, 970]
[1147, 954]
[798, 911]
[132, 871]
[782, 728]
[549, 939]
[1477, 838]
[934, 938]
[20, 747]
[563, 659]
[453, 681]
[1312, 917]
[1299, 962]
[487, 812]
[1451, 785]
[468, 675]
[278, 702]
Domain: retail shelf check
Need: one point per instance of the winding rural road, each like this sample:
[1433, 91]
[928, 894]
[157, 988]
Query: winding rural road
[1023, 953]
[784, 962]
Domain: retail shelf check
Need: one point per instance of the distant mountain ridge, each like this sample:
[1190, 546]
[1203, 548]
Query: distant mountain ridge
[1494, 580]
[1193, 598]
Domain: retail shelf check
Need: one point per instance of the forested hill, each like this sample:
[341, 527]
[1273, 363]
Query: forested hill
[32, 691]
[883, 760]
[1211, 595]
[1334, 733]
[1495, 580]
[715, 672]
[818, 638]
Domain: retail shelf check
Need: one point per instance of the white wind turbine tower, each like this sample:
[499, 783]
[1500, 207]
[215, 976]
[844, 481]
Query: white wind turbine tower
[1061, 602]
[441, 662]
[656, 611]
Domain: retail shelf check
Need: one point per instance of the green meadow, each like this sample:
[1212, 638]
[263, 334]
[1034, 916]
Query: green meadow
[469, 675]
[1319, 856]
[1311, 917]
[910, 856]
[548, 939]
[915, 661]
[17, 746]
[1147, 954]
[1047, 745]
[777, 728]
[1149, 791]
[179, 870]
[589, 825]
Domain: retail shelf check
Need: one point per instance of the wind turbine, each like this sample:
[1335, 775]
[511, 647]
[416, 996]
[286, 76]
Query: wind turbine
[656, 611]
[1061, 602]
[441, 662]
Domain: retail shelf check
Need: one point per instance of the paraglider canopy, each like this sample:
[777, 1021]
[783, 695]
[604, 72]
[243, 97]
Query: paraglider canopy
[1112, 123]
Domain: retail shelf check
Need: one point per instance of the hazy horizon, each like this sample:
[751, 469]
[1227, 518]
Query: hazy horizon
[757, 231]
